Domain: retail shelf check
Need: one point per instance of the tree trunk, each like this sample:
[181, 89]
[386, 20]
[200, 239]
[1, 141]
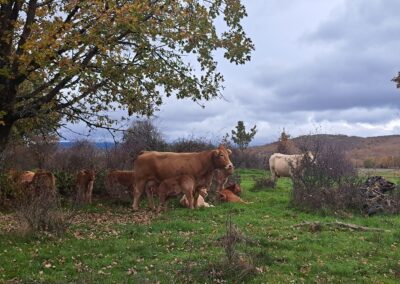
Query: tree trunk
[5, 133]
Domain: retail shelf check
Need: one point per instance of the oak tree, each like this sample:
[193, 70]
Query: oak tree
[78, 60]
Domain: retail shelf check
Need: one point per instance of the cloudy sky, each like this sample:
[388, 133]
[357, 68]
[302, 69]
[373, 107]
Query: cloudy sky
[319, 67]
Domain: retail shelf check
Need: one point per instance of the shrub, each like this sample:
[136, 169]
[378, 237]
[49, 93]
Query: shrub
[369, 164]
[191, 144]
[247, 159]
[262, 182]
[65, 183]
[236, 264]
[326, 181]
[98, 186]
[42, 212]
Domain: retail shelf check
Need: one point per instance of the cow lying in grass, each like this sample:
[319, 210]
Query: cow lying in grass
[228, 194]
[200, 200]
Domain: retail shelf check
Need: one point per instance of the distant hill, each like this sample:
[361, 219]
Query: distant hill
[358, 149]
[99, 145]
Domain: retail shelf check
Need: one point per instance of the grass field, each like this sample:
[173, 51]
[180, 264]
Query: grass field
[110, 244]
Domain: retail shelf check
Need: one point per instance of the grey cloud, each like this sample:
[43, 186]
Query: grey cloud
[357, 73]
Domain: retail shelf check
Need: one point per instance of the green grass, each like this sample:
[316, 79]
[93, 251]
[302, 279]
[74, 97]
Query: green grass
[180, 246]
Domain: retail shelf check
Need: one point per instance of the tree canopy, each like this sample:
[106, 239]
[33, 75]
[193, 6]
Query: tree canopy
[81, 59]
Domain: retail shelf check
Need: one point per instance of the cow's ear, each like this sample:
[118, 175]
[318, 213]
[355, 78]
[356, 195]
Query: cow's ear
[216, 153]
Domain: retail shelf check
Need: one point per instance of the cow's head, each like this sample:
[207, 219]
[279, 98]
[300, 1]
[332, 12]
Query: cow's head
[203, 192]
[221, 159]
[310, 156]
[90, 174]
[235, 188]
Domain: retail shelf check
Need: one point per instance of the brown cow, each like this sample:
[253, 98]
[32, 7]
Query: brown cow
[20, 182]
[158, 166]
[119, 183]
[235, 188]
[21, 178]
[175, 186]
[228, 196]
[84, 186]
[43, 184]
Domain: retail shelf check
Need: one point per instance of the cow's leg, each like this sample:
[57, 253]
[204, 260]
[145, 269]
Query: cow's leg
[90, 191]
[189, 197]
[150, 189]
[273, 175]
[162, 204]
[138, 189]
[195, 198]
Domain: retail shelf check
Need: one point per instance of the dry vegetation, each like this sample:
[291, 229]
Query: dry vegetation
[371, 152]
[331, 182]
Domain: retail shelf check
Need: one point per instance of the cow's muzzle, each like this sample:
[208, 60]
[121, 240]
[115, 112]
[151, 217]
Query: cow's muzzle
[229, 168]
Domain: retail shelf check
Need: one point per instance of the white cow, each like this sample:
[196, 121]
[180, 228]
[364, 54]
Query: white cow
[282, 165]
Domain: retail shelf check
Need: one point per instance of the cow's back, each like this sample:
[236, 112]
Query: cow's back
[282, 164]
[164, 165]
[124, 178]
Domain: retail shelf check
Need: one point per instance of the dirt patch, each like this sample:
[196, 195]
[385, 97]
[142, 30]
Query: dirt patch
[93, 221]
[122, 217]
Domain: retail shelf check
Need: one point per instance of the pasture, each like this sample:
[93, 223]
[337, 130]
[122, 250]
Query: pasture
[110, 244]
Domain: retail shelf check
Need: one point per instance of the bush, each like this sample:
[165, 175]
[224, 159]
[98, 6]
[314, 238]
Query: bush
[191, 144]
[82, 155]
[326, 181]
[369, 164]
[42, 213]
[98, 186]
[262, 182]
[65, 183]
[246, 159]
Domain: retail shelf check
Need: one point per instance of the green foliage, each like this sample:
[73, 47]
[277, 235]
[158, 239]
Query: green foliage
[242, 138]
[369, 163]
[65, 183]
[80, 59]
[98, 186]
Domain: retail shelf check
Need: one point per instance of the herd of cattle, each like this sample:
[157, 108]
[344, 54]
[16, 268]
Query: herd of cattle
[165, 174]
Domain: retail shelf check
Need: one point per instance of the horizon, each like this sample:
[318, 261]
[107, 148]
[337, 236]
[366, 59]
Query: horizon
[252, 144]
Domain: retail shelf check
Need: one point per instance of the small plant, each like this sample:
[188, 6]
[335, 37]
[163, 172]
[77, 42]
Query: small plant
[236, 264]
[262, 183]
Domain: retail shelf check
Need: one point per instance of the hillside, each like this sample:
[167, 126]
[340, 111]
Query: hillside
[383, 151]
